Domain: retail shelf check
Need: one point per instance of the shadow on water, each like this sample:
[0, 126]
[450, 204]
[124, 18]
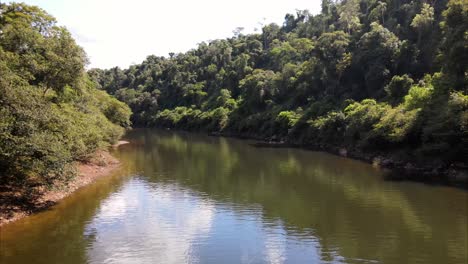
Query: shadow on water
[402, 175]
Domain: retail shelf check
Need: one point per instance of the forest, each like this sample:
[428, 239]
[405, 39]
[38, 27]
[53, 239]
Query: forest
[382, 77]
[145, 164]
[372, 76]
[52, 114]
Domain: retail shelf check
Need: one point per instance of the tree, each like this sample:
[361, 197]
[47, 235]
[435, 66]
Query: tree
[238, 32]
[378, 50]
[258, 87]
[454, 50]
[349, 15]
[363, 72]
[332, 50]
[42, 134]
[46, 53]
[398, 88]
[423, 21]
[381, 8]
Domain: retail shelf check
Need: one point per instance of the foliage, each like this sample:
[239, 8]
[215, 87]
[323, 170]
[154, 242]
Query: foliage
[361, 119]
[425, 18]
[286, 120]
[454, 47]
[398, 88]
[397, 124]
[51, 113]
[417, 97]
[379, 75]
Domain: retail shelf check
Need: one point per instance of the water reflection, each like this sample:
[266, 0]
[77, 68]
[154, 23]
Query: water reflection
[345, 204]
[164, 223]
[143, 224]
[56, 235]
[186, 198]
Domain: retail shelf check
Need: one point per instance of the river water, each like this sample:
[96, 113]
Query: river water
[187, 198]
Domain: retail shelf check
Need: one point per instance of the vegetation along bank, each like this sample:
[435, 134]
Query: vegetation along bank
[52, 116]
[384, 81]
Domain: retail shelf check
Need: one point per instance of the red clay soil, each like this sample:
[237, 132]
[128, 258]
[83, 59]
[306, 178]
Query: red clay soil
[14, 205]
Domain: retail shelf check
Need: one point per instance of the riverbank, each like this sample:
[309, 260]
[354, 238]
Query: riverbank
[14, 204]
[399, 169]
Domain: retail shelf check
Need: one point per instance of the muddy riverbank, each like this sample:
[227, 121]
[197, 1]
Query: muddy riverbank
[17, 203]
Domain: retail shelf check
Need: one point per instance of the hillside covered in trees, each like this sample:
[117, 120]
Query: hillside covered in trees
[379, 76]
[51, 114]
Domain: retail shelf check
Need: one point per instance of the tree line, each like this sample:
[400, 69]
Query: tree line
[51, 113]
[372, 75]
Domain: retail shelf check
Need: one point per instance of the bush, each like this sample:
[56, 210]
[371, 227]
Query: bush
[417, 97]
[398, 88]
[328, 129]
[396, 124]
[361, 118]
[285, 120]
[445, 133]
[41, 145]
[41, 135]
[220, 118]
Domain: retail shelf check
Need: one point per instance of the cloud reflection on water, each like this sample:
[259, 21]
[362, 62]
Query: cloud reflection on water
[141, 224]
[145, 222]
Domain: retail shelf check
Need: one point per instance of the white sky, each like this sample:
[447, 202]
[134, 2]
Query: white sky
[121, 33]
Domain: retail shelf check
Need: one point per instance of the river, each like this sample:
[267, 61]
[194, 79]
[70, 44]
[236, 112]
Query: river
[188, 198]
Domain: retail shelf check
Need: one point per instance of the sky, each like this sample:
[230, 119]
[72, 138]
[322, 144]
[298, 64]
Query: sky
[122, 33]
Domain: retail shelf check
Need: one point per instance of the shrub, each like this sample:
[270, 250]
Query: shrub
[396, 124]
[328, 129]
[417, 97]
[285, 120]
[361, 118]
[398, 88]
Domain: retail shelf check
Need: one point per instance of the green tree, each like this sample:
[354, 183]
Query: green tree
[378, 50]
[398, 88]
[51, 113]
[349, 16]
[454, 47]
[422, 22]
[44, 53]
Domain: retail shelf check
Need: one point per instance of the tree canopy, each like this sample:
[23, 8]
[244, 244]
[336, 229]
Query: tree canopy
[373, 75]
[51, 113]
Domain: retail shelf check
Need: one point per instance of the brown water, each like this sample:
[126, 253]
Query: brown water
[186, 198]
